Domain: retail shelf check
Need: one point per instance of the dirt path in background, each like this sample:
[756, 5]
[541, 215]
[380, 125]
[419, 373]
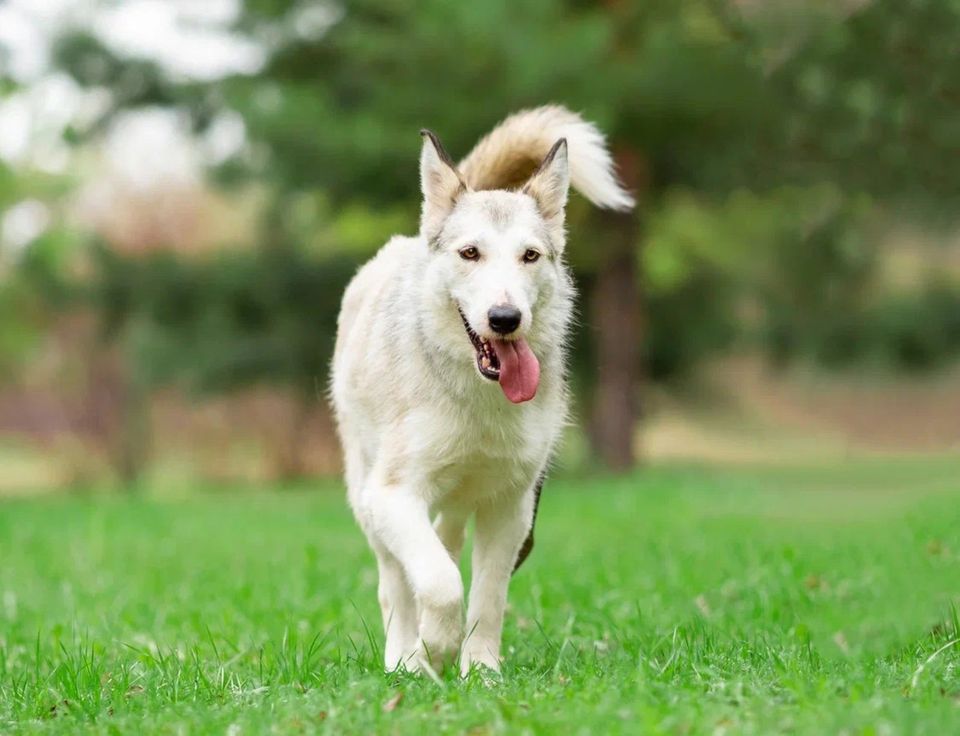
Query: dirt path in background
[746, 413]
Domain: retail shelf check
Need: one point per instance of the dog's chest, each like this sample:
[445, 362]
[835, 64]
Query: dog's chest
[493, 429]
[464, 486]
[485, 451]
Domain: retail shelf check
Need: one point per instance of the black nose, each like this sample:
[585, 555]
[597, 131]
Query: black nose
[503, 318]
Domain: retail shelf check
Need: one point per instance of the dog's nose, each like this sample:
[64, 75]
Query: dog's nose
[503, 318]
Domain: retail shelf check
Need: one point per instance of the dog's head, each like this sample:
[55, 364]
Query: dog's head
[496, 260]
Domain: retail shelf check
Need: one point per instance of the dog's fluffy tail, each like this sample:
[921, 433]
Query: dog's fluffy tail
[511, 152]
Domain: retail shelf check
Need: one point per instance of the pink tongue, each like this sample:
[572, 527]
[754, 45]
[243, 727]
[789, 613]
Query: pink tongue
[519, 369]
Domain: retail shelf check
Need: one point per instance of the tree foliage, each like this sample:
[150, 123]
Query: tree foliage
[218, 323]
[751, 142]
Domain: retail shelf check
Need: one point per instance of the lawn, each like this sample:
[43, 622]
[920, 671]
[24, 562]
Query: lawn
[678, 600]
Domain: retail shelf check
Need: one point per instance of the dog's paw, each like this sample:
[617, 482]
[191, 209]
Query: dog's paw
[441, 622]
[482, 658]
[440, 638]
[401, 659]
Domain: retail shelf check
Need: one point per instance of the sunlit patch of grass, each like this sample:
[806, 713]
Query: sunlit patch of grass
[676, 600]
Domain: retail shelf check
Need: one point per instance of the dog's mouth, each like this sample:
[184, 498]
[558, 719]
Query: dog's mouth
[509, 362]
[487, 361]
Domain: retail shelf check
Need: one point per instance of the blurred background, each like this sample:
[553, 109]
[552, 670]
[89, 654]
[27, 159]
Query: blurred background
[186, 186]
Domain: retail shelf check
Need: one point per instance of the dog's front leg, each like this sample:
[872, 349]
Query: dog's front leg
[399, 611]
[501, 528]
[401, 520]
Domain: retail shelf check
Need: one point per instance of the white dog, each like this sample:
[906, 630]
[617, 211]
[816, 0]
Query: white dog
[448, 378]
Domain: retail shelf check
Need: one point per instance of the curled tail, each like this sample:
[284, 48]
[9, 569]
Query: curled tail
[507, 156]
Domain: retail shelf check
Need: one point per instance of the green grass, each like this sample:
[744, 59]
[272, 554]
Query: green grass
[677, 601]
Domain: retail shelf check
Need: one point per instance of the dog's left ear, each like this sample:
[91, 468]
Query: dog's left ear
[440, 183]
[550, 183]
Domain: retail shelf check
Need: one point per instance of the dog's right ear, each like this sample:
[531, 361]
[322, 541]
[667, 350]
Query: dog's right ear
[549, 186]
[440, 183]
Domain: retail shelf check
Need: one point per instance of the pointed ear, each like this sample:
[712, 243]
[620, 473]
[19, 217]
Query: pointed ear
[440, 183]
[550, 183]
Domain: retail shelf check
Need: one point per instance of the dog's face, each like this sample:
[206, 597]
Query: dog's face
[497, 258]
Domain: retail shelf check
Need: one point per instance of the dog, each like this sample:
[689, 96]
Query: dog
[448, 378]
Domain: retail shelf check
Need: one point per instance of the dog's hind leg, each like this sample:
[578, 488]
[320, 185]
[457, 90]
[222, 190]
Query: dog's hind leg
[501, 528]
[450, 528]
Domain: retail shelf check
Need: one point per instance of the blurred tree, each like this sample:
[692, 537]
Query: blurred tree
[232, 320]
[870, 103]
[340, 109]
[702, 95]
[344, 91]
[780, 269]
[34, 258]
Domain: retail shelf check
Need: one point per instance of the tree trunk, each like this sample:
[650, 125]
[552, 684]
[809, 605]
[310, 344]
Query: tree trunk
[615, 310]
[117, 413]
[134, 441]
[291, 461]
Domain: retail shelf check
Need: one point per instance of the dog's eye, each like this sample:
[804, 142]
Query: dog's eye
[470, 253]
[531, 255]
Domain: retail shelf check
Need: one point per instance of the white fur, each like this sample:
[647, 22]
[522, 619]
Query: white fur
[428, 442]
